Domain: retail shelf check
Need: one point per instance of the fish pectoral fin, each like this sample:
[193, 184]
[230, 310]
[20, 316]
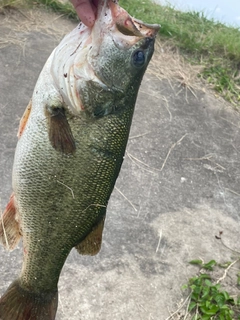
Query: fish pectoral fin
[10, 232]
[24, 119]
[59, 131]
[91, 245]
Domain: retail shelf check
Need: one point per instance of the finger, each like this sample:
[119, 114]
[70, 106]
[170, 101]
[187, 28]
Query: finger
[85, 11]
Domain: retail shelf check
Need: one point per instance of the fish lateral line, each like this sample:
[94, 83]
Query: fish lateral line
[73, 139]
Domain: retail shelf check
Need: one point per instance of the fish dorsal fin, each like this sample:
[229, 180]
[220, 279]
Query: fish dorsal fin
[24, 119]
[10, 233]
[91, 245]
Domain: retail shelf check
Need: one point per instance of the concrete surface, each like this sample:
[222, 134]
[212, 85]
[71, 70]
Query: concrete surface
[180, 182]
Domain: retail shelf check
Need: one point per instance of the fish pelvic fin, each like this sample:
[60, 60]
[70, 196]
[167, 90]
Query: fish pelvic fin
[91, 244]
[20, 304]
[10, 232]
[24, 119]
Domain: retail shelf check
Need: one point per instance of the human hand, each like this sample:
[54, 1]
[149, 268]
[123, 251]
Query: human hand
[86, 10]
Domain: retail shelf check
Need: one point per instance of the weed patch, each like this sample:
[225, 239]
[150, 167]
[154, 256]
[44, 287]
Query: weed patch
[208, 300]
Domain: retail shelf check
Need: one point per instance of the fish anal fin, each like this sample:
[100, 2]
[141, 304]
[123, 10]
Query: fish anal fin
[91, 245]
[20, 304]
[10, 233]
[59, 131]
[24, 119]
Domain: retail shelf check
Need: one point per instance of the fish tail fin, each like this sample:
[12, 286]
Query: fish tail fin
[10, 233]
[20, 304]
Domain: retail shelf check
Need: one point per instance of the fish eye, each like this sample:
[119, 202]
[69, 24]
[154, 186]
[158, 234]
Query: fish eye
[138, 58]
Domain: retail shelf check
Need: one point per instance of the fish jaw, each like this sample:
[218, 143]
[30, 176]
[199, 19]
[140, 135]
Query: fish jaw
[83, 54]
[115, 23]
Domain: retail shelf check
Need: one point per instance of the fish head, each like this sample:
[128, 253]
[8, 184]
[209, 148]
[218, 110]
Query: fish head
[105, 69]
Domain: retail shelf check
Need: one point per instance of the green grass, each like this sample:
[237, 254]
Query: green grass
[57, 6]
[208, 300]
[201, 41]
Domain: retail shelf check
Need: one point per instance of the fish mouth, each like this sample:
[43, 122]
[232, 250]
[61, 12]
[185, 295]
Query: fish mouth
[74, 61]
[126, 30]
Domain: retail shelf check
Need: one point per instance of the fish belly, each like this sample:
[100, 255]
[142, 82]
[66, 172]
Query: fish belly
[61, 197]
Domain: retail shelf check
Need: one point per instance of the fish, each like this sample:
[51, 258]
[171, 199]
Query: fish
[71, 143]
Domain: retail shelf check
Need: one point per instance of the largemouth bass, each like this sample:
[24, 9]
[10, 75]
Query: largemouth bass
[72, 139]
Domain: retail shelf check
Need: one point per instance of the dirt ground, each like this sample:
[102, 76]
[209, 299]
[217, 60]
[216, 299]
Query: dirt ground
[178, 187]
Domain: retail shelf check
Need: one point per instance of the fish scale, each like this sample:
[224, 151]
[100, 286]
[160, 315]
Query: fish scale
[72, 140]
[74, 213]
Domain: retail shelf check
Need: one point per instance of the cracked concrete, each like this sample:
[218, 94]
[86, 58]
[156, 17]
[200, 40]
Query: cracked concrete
[180, 181]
